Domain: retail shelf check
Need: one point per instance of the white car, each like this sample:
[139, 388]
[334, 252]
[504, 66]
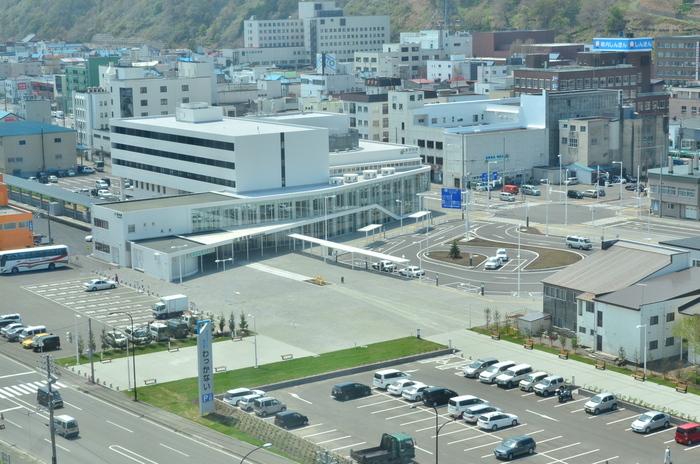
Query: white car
[412, 271]
[99, 284]
[414, 392]
[475, 412]
[397, 388]
[104, 193]
[497, 420]
[246, 402]
[53, 179]
[33, 179]
[651, 420]
[502, 255]
[493, 263]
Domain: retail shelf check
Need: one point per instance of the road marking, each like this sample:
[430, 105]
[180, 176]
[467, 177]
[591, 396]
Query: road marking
[173, 449]
[15, 375]
[374, 404]
[620, 420]
[129, 454]
[117, 425]
[294, 395]
[424, 450]
[335, 439]
[415, 421]
[59, 446]
[402, 415]
[487, 444]
[389, 409]
[319, 433]
[606, 460]
[348, 446]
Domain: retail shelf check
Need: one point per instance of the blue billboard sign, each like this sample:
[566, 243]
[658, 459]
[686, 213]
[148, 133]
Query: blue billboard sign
[623, 44]
[494, 176]
[451, 198]
[484, 177]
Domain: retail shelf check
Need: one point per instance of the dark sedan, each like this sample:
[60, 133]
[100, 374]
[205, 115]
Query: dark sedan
[574, 194]
[437, 396]
[346, 390]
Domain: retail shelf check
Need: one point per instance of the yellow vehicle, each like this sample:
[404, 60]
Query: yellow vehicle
[28, 342]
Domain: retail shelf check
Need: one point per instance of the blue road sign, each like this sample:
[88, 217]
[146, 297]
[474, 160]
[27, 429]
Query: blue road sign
[494, 175]
[484, 177]
[451, 198]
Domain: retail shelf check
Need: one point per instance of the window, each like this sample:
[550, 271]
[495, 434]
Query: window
[163, 88]
[670, 341]
[185, 88]
[163, 101]
[185, 99]
[144, 90]
[582, 330]
[670, 317]
[101, 223]
[653, 320]
[582, 129]
[104, 248]
[589, 306]
[654, 344]
[131, 228]
[57, 140]
[573, 143]
[144, 102]
[564, 140]
[22, 142]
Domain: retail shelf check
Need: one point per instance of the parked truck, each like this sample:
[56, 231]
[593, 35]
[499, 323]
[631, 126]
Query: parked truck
[395, 448]
[170, 306]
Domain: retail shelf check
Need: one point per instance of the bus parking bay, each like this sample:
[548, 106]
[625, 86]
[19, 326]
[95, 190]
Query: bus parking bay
[564, 432]
[97, 305]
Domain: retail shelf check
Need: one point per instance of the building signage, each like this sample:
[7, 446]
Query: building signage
[202, 252]
[623, 44]
[496, 157]
[205, 367]
[451, 198]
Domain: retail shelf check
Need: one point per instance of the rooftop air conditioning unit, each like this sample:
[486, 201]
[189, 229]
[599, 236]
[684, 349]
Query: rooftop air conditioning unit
[388, 171]
[350, 178]
[336, 181]
[369, 174]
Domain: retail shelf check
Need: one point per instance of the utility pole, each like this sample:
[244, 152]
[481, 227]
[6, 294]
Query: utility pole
[51, 369]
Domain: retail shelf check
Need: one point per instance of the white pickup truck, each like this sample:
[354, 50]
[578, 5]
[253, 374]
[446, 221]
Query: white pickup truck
[385, 266]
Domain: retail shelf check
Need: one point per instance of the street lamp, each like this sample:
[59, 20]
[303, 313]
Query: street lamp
[401, 211]
[255, 339]
[266, 445]
[420, 262]
[619, 179]
[325, 222]
[566, 202]
[561, 181]
[133, 348]
[644, 326]
[75, 339]
[488, 184]
[179, 247]
[437, 430]
[225, 286]
[466, 207]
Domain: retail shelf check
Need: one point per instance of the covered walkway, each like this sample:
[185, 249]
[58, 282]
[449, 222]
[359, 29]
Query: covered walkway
[327, 246]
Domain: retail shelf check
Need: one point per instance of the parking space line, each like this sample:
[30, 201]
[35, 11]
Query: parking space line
[542, 415]
[374, 404]
[348, 446]
[579, 455]
[482, 446]
[555, 438]
[465, 439]
[692, 448]
[402, 415]
[389, 409]
[419, 420]
[620, 420]
[670, 429]
[568, 402]
[319, 433]
[604, 414]
[424, 450]
[606, 460]
[335, 439]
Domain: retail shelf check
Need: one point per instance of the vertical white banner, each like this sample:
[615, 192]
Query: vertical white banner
[205, 367]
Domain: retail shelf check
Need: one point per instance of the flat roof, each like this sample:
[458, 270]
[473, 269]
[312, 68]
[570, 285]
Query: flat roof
[167, 202]
[30, 128]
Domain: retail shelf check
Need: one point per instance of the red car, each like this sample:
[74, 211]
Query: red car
[688, 433]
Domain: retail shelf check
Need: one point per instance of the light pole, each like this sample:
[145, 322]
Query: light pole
[547, 210]
[255, 338]
[644, 326]
[401, 211]
[325, 223]
[133, 349]
[466, 208]
[561, 181]
[420, 262]
[75, 339]
[179, 258]
[619, 180]
[566, 202]
[225, 286]
[488, 184]
[437, 430]
[266, 445]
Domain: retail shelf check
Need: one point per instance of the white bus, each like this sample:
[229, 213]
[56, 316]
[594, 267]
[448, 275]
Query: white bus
[31, 259]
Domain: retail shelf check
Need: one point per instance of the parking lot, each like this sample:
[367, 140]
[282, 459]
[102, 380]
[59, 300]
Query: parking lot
[564, 432]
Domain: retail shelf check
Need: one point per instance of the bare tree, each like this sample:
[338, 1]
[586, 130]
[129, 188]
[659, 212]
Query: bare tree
[496, 318]
[487, 316]
[563, 339]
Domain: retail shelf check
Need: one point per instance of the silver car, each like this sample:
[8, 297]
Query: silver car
[246, 402]
[601, 402]
[99, 284]
[493, 263]
[651, 420]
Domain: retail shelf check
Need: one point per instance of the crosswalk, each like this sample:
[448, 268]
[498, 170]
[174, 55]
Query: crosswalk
[27, 388]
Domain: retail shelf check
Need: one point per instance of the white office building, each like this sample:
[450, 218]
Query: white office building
[259, 179]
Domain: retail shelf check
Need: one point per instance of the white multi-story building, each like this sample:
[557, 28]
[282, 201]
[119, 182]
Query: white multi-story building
[321, 28]
[294, 173]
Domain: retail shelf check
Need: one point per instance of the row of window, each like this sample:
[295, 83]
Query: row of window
[177, 156]
[674, 72]
[18, 159]
[675, 45]
[432, 160]
[164, 89]
[345, 44]
[572, 142]
[653, 344]
[55, 140]
[103, 247]
[580, 83]
[14, 225]
[176, 173]
[677, 64]
[673, 191]
[101, 223]
[649, 105]
[219, 145]
[429, 144]
[675, 54]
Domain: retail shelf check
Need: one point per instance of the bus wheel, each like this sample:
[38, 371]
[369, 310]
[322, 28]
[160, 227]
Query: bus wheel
[15, 270]
[52, 266]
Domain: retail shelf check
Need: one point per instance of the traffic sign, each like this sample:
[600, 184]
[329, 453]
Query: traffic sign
[451, 198]
[494, 176]
[484, 177]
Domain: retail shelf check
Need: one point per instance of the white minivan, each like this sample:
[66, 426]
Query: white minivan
[29, 332]
[505, 196]
[384, 378]
[490, 374]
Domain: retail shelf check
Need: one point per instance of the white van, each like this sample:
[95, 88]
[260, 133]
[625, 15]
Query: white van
[101, 185]
[382, 379]
[582, 243]
[65, 426]
[490, 374]
[505, 196]
[459, 404]
[268, 405]
[514, 375]
[29, 332]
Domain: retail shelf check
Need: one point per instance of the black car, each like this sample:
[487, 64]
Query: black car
[47, 343]
[288, 419]
[437, 396]
[346, 390]
[574, 194]
[107, 181]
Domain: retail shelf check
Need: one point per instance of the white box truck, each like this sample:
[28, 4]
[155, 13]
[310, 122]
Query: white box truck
[170, 306]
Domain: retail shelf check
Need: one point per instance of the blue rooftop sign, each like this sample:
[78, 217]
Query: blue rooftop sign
[622, 44]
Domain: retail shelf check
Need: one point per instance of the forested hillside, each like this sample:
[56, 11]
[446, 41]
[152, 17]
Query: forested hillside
[219, 23]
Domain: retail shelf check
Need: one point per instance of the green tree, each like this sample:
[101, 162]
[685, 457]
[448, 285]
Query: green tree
[616, 20]
[193, 325]
[688, 329]
[92, 344]
[103, 339]
[81, 345]
[243, 324]
[222, 324]
[454, 252]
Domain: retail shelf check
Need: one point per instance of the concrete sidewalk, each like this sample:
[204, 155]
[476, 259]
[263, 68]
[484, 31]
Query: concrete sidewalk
[625, 387]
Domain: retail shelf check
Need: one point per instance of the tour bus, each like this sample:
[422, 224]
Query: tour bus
[31, 259]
